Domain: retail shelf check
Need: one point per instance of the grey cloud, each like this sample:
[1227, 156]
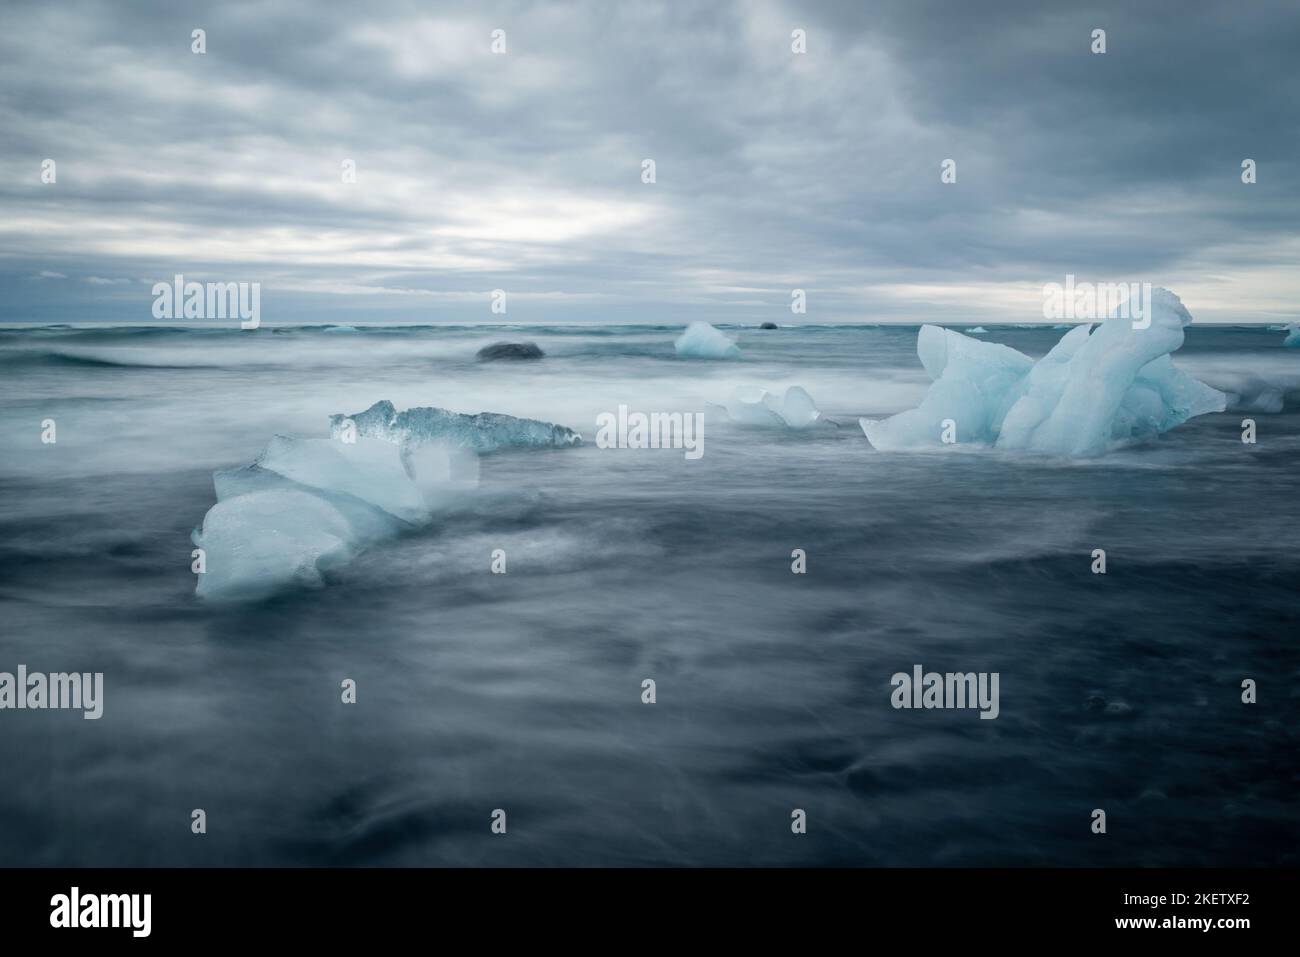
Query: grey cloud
[522, 171]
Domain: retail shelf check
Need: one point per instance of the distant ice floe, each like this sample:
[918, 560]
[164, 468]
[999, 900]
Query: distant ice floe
[1089, 394]
[702, 341]
[978, 331]
[308, 505]
[752, 405]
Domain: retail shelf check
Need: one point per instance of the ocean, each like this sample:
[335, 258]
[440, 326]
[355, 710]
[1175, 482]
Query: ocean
[523, 692]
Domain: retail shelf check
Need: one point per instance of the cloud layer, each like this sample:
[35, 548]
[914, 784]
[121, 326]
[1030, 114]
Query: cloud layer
[522, 171]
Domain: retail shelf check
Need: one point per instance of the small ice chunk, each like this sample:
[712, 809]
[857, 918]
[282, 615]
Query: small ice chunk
[702, 341]
[752, 405]
[746, 406]
[796, 408]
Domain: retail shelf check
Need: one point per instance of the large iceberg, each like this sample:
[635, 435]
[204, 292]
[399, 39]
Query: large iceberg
[1096, 389]
[484, 432]
[308, 505]
[1292, 335]
[752, 405]
[702, 341]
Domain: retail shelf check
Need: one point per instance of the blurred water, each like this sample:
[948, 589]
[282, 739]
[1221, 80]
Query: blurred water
[522, 691]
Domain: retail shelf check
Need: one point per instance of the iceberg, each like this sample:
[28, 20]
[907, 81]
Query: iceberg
[309, 505]
[1096, 389]
[702, 341]
[257, 543]
[1292, 335]
[484, 432]
[974, 384]
[751, 405]
[305, 506]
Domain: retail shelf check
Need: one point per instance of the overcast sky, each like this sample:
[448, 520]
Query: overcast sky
[523, 171]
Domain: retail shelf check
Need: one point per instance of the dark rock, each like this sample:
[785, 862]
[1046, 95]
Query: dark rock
[510, 350]
[768, 325]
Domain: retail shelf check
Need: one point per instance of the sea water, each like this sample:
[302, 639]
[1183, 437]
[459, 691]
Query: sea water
[523, 691]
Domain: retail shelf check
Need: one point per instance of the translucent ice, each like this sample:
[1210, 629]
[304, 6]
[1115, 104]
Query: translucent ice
[308, 505]
[484, 432]
[305, 506]
[974, 386]
[265, 540]
[702, 341]
[1292, 335]
[1111, 386]
[369, 470]
[1095, 389]
[754, 406]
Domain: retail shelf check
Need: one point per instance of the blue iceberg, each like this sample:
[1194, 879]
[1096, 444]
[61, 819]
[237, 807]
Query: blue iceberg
[309, 505]
[1097, 388]
[702, 341]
